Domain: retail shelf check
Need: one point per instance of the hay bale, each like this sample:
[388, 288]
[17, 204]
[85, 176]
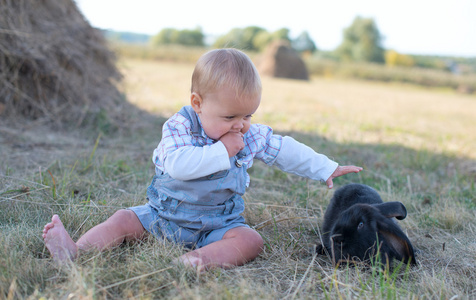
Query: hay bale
[281, 60]
[54, 65]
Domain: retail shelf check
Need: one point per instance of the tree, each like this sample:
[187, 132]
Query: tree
[362, 42]
[263, 38]
[281, 34]
[189, 37]
[304, 43]
[184, 37]
[251, 38]
[165, 36]
[241, 38]
[249, 34]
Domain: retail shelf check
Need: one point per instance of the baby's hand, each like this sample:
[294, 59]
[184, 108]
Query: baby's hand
[342, 170]
[233, 142]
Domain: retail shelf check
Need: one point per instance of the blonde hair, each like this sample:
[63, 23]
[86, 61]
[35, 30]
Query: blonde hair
[226, 67]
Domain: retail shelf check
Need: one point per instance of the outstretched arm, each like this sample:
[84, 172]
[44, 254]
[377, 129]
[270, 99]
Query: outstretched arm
[342, 170]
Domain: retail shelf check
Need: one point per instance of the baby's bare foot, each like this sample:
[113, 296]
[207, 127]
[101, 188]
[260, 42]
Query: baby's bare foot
[58, 241]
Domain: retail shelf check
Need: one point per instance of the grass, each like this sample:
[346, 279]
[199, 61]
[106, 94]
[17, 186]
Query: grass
[463, 83]
[416, 145]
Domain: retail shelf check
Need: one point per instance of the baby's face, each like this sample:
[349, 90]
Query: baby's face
[222, 111]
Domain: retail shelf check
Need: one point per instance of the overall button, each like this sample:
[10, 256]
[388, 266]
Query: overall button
[238, 163]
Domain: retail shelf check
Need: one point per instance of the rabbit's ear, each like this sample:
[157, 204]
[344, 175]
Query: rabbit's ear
[397, 240]
[392, 209]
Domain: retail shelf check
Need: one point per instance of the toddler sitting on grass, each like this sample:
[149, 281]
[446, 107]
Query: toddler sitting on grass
[195, 198]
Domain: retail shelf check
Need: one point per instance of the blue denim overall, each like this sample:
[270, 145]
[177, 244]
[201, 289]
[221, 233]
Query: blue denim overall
[195, 212]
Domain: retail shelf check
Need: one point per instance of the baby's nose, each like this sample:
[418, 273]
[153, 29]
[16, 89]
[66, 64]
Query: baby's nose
[238, 125]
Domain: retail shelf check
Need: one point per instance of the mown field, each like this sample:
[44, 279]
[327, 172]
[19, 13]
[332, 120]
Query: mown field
[416, 145]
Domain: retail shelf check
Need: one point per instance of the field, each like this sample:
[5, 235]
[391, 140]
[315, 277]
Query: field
[416, 145]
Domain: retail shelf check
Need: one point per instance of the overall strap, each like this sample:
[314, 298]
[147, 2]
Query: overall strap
[189, 113]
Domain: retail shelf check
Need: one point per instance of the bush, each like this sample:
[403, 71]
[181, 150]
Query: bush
[186, 37]
[393, 58]
[251, 38]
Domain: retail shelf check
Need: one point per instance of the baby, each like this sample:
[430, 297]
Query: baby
[195, 198]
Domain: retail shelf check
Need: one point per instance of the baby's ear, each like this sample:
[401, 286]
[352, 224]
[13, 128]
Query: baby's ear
[196, 102]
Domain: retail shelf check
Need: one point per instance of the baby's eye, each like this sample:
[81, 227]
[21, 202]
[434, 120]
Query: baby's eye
[229, 117]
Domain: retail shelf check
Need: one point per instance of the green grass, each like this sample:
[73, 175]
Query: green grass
[389, 130]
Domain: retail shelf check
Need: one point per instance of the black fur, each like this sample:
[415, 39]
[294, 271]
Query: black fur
[358, 224]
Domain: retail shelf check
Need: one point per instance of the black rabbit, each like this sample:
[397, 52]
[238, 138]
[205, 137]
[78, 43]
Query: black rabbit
[358, 225]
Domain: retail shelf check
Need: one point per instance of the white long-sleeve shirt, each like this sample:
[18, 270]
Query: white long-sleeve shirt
[185, 156]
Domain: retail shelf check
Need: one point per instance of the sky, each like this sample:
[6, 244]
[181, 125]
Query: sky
[425, 27]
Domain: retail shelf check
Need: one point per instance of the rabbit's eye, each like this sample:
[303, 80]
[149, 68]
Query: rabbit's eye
[361, 224]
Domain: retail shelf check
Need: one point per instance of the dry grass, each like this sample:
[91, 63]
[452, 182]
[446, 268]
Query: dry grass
[56, 68]
[417, 146]
[344, 111]
[463, 83]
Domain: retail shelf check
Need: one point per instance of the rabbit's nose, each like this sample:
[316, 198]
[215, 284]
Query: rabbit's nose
[337, 238]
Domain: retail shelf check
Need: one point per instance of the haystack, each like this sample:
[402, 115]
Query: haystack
[54, 66]
[280, 60]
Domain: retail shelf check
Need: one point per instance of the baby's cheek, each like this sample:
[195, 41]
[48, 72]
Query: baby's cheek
[245, 128]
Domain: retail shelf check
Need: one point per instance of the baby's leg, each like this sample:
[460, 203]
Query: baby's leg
[238, 246]
[123, 225]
